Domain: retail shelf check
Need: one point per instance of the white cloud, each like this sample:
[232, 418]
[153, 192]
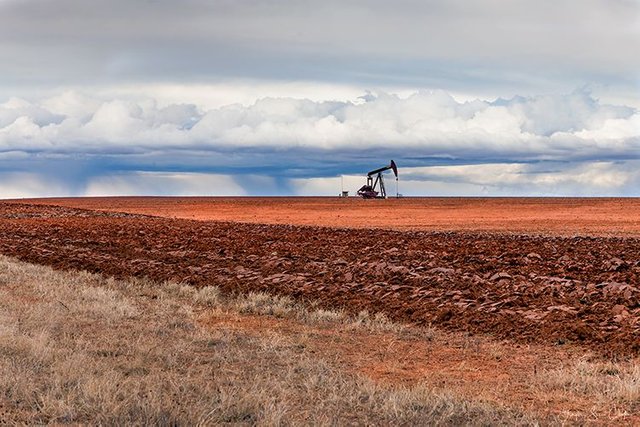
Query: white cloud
[231, 91]
[72, 104]
[614, 129]
[422, 124]
[16, 108]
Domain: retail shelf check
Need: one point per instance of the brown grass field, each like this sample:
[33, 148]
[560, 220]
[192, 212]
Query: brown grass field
[411, 311]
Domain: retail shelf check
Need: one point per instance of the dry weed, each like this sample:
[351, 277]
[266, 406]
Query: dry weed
[208, 296]
[606, 383]
[263, 303]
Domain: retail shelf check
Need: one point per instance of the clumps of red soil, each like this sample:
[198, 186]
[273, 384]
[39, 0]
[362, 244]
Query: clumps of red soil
[25, 211]
[583, 290]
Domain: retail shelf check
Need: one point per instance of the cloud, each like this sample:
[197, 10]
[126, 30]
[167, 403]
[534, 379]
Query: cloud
[487, 46]
[541, 179]
[548, 144]
[558, 127]
[163, 184]
[28, 184]
[16, 108]
[547, 179]
[584, 179]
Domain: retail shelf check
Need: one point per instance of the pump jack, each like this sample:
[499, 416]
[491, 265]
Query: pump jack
[369, 191]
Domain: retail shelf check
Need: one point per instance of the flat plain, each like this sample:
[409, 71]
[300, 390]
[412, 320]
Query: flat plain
[531, 304]
[560, 216]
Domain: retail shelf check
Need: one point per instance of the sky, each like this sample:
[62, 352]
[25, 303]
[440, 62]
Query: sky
[227, 97]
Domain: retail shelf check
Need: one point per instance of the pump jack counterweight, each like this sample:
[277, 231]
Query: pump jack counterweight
[374, 188]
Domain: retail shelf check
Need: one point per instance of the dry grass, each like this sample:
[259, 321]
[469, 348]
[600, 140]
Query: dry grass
[262, 303]
[79, 348]
[615, 386]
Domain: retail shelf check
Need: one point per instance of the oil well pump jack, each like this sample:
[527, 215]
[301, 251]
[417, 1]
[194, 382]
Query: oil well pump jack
[374, 189]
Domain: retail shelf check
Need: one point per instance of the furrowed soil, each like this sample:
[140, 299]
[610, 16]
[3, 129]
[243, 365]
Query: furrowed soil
[553, 290]
[558, 216]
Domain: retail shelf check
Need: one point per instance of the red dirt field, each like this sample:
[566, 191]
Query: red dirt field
[521, 287]
[561, 216]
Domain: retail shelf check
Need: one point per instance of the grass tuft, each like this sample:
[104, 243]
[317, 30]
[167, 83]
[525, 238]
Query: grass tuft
[617, 382]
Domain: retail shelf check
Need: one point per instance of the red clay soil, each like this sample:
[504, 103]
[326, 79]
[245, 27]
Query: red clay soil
[560, 216]
[525, 288]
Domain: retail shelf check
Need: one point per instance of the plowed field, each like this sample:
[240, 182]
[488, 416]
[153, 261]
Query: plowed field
[559, 216]
[525, 288]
